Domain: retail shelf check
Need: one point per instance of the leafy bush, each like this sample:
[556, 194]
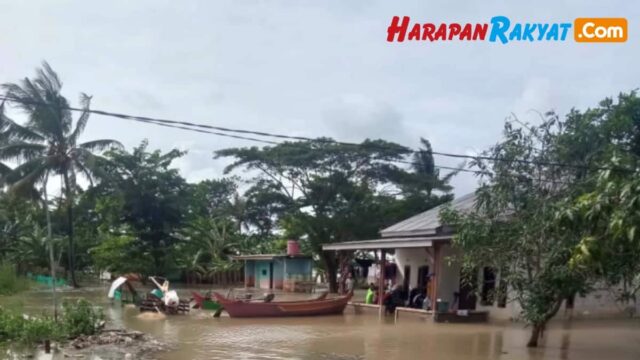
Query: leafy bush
[28, 330]
[78, 318]
[10, 282]
[81, 318]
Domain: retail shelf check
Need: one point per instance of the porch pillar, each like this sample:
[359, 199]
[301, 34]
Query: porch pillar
[436, 275]
[381, 280]
[285, 285]
[246, 273]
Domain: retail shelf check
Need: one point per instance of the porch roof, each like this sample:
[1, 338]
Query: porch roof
[269, 256]
[387, 243]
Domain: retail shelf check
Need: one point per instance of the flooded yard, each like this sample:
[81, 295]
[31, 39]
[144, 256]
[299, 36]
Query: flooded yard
[200, 336]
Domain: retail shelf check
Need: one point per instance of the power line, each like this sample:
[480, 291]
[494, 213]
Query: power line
[189, 127]
[197, 127]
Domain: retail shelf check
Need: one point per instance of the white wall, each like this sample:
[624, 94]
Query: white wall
[414, 257]
[449, 274]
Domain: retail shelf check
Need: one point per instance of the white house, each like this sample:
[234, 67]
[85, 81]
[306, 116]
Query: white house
[420, 246]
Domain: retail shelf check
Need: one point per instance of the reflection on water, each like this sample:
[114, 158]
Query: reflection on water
[200, 336]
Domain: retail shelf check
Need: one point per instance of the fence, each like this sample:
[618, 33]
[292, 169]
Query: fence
[46, 280]
[223, 278]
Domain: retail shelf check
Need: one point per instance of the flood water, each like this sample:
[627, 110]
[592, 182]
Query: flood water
[200, 336]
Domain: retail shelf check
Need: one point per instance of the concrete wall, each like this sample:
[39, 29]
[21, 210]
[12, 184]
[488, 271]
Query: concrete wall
[297, 270]
[278, 273]
[249, 273]
[448, 274]
[414, 257]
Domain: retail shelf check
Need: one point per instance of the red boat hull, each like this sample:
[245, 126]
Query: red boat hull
[237, 309]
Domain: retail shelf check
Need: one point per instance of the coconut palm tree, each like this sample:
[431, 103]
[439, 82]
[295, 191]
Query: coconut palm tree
[47, 144]
[427, 176]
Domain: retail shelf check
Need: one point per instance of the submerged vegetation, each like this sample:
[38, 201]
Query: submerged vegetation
[77, 318]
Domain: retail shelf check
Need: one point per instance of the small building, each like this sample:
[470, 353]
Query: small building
[277, 271]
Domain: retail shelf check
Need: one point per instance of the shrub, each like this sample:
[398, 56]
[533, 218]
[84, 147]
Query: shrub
[10, 282]
[15, 327]
[78, 318]
[81, 318]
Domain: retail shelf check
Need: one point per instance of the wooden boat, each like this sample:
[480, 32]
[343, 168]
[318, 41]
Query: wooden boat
[313, 307]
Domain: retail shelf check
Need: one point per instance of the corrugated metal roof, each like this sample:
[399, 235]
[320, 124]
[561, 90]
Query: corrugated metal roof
[386, 243]
[268, 256]
[428, 222]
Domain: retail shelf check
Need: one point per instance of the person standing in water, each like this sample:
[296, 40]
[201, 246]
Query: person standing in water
[371, 294]
[349, 284]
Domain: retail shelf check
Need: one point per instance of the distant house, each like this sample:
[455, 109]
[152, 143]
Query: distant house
[420, 246]
[285, 272]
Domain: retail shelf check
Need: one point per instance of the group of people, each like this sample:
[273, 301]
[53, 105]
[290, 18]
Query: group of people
[397, 296]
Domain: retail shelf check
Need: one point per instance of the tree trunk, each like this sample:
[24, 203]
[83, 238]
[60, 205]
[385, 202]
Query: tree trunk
[331, 267]
[536, 331]
[72, 255]
[52, 259]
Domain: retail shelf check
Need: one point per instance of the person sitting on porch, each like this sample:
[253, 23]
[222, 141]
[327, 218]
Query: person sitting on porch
[426, 304]
[416, 298]
[394, 299]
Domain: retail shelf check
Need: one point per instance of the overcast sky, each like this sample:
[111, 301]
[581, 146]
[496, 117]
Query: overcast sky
[311, 68]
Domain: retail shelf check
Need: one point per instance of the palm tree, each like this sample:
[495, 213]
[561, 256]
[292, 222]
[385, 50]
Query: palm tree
[48, 144]
[427, 176]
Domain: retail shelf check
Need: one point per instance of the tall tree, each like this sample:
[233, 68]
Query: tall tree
[327, 191]
[151, 198]
[48, 143]
[514, 227]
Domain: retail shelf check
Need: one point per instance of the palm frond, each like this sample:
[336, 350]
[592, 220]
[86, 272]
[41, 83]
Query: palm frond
[49, 78]
[11, 130]
[92, 164]
[22, 151]
[100, 145]
[85, 102]
[24, 177]
[4, 171]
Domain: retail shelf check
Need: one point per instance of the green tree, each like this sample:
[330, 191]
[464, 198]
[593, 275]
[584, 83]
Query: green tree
[48, 143]
[324, 191]
[207, 245]
[608, 219]
[514, 227]
[149, 197]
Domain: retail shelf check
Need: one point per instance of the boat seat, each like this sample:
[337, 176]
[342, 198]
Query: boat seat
[269, 297]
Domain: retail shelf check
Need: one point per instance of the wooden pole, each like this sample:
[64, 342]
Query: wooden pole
[246, 278]
[381, 282]
[436, 274]
[284, 275]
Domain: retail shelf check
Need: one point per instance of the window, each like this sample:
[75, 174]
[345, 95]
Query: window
[502, 292]
[488, 286]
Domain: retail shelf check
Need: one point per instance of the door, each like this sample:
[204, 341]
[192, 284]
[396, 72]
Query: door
[263, 275]
[423, 276]
[407, 282]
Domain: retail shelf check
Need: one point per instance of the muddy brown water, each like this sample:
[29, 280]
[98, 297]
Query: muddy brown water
[200, 336]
